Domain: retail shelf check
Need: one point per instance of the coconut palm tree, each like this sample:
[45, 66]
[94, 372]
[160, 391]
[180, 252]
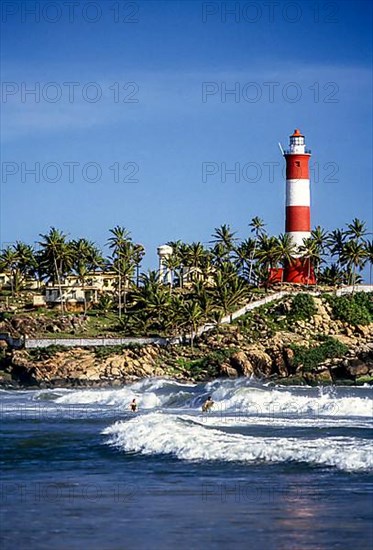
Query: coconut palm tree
[369, 255]
[319, 236]
[354, 257]
[286, 249]
[225, 237]
[138, 255]
[26, 258]
[228, 290]
[257, 227]
[8, 264]
[243, 255]
[310, 255]
[335, 242]
[152, 298]
[356, 229]
[192, 316]
[122, 260]
[86, 258]
[57, 257]
[268, 253]
[332, 276]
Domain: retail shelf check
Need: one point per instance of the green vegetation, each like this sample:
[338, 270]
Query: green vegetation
[103, 352]
[303, 307]
[310, 358]
[41, 354]
[205, 283]
[209, 363]
[364, 380]
[355, 309]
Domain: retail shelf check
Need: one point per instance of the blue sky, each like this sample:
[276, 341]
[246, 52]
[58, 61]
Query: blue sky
[148, 97]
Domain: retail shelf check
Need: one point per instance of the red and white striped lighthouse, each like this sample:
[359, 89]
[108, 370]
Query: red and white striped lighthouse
[298, 206]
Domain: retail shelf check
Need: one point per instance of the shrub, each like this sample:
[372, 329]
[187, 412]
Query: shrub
[310, 358]
[40, 354]
[355, 309]
[102, 352]
[302, 307]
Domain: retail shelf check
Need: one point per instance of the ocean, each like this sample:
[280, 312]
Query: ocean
[269, 468]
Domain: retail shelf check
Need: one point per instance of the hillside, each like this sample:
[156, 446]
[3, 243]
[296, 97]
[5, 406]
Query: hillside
[300, 339]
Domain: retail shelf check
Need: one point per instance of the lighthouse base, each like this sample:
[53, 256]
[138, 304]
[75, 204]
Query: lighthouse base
[300, 272]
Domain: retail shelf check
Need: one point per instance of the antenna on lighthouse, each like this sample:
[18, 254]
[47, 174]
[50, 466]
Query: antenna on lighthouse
[281, 149]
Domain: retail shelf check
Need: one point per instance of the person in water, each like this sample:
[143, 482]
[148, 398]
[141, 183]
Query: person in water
[133, 405]
[207, 404]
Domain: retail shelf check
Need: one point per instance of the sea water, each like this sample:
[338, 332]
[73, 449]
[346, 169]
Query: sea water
[269, 468]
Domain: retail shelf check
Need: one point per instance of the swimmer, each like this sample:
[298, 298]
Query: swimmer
[207, 404]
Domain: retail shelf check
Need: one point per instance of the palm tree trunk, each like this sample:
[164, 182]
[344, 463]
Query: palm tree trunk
[59, 283]
[252, 259]
[120, 296]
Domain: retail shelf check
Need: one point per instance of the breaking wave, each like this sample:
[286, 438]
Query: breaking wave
[159, 433]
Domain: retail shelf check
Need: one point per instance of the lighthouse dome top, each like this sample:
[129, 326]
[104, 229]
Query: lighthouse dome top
[297, 133]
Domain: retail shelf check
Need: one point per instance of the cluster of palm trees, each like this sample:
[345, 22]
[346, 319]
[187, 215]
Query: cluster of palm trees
[207, 281]
[336, 257]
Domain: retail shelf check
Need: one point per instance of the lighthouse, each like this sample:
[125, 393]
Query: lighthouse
[298, 207]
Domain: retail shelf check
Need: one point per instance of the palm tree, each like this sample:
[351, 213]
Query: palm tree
[192, 314]
[26, 258]
[286, 250]
[225, 237]
[152, 300]
[310, 255]
[268, 252]
[244, 253]
[228, 290]
[257, 226]
[356, 229]
[354, 256]
[173, 263]
[8, 264]
[332, 275]
[369, 253]
[122, 260]
[319, 236]
[86, 258]
[196, 259]
[335, 242]
[57, 257]
[138, 255]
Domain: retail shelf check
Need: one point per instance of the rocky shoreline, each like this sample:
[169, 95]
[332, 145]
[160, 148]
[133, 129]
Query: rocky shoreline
[279, 354]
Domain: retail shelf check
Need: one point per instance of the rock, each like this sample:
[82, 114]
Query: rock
[241, 364]
[260, 360]
[279, 363]
[288, 354]
[227, 370]
[364, 330]
[357, 368]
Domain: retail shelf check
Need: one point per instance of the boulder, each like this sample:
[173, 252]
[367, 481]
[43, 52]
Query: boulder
[241, 364]
[227, 370]
[357, 368]
[324, 377]
[260, 361]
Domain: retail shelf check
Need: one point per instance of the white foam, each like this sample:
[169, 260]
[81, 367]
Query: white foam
[157, 433]
[243, 397]
[276, 401]
[150, 393]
